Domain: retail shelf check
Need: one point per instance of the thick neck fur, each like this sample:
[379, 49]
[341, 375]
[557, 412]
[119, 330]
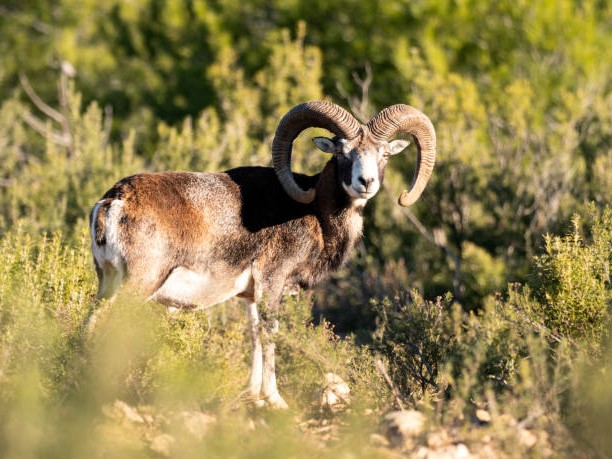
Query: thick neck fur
[340, 219]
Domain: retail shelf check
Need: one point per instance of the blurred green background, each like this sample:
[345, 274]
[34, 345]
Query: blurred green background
[520, 95]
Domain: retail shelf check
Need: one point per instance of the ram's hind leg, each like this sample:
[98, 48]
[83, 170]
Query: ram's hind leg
[109, 280]
[269, 391]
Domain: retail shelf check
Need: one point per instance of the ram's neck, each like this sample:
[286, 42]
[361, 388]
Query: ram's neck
[341, 220]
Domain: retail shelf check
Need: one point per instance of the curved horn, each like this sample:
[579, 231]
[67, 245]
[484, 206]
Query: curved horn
[403, 118]
[320, 114]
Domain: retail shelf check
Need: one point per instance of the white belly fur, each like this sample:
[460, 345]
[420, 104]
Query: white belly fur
[190, 288]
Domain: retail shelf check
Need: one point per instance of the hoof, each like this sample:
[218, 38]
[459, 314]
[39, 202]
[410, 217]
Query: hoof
[259, 403]
[275, 401]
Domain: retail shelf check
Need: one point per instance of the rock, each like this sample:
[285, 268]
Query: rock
[379, 440]
[402, 427]
[162, 444]
[461, 451]
[527, 438]
[335, 393]
[483, 416]
[123, 412]
[196, 423]
[458, 451]
[488, 451]
[438, 439]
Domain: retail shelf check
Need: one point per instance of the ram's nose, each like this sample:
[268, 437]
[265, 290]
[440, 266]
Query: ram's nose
[366, 182]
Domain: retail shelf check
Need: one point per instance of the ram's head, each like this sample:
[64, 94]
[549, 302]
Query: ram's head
[362, 149]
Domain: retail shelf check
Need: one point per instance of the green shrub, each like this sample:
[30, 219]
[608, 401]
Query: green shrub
[411, 335]
[52, 188]
[571, 281]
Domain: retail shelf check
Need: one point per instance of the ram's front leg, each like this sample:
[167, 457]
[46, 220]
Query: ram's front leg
[255, 379]
[269, 390]
[262, 382]
[268, 291]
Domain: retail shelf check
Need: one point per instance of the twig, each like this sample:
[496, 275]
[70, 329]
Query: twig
[363, 104]
[63, 138]
[36, 100]
[381, 368]
[438, 241]
[66, 73]
[40, 127]
[430, 370]
[359, 106]
[531, 417]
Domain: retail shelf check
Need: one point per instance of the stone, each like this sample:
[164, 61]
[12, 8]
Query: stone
[527, 438]
[483, 416]
[162, 444]
[379, 440]
[196, 423]
[402, 427]
[457, 451]
[335, 393]
[438, 439]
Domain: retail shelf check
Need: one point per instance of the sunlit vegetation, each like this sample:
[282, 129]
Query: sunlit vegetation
[485, 307]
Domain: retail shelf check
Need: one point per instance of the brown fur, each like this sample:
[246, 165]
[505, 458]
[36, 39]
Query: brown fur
[193, 240]
[230, 221]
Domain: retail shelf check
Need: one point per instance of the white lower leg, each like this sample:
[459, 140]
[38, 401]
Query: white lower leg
[255, 380]
[268, 389]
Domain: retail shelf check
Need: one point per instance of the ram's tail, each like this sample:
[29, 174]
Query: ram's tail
[97, 221]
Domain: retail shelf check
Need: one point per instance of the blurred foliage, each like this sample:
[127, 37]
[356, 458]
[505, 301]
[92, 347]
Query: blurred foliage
[61, 386]
[520, 95]
[572, 281]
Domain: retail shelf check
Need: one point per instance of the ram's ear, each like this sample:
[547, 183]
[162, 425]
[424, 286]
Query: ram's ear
[397, 146]
[325, 144]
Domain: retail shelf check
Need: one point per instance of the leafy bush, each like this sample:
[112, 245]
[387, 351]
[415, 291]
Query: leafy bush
[529, 355]
[411, 335]
[572, 282]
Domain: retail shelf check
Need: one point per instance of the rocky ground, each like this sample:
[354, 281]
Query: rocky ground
[403, 433]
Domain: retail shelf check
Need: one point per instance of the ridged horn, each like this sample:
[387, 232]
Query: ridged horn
[404, 118]
[319, 114]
